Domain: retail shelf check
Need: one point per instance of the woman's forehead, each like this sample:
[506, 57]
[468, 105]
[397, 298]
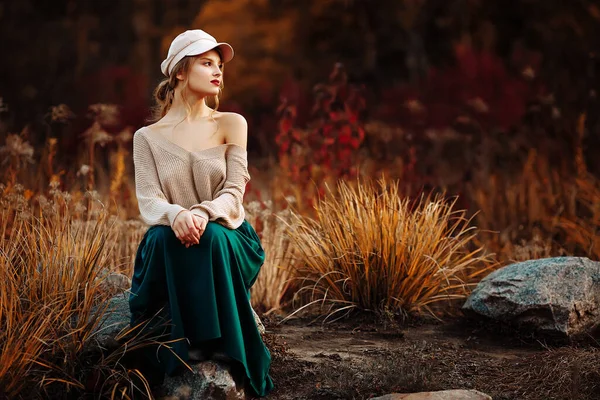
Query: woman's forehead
[212, 55]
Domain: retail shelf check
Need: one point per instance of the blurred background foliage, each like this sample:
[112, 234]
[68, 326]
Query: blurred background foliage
[493, 101]
[492, 58]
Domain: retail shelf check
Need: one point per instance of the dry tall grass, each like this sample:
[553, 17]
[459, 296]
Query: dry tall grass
[125, 238]
[582, 229]
[275, 276]
[541, 213]
[51, 297]
[372, 249]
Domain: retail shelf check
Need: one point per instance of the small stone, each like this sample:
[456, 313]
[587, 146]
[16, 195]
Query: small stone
[459, 394]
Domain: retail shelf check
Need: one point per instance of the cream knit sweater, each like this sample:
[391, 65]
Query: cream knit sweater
[170, 179]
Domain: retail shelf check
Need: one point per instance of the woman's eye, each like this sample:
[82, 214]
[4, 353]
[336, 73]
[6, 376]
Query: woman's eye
[208, 64]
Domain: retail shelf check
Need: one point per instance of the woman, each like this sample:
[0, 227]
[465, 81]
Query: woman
[200, 257]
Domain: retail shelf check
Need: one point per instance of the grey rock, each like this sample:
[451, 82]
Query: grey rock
[207, 380]
[115, 282]
[558, 296]
[458, 394]
[115, 319]
[112, 283]
[259, 324]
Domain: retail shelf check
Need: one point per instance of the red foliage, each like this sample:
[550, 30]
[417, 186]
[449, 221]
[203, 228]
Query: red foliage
[332, 135]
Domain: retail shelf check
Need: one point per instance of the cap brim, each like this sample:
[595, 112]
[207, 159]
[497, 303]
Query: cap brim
[196, 49]
[200, 47]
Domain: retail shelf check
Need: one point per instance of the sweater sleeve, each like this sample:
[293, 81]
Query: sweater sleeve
[227, 206]
[154, 207]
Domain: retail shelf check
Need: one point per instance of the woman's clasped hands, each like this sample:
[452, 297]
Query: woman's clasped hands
[189, 227]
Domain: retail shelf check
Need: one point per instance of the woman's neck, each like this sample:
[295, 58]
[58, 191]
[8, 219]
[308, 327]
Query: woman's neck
[179, 109]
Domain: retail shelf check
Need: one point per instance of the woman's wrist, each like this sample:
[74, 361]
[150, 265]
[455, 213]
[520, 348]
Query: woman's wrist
[177, 215]
[200, 213]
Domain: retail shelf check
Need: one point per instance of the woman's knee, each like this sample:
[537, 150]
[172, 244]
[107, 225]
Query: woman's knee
[161, 234]
[214, 230]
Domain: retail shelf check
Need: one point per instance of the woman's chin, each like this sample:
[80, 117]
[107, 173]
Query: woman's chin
[211, 92]
[205, 92]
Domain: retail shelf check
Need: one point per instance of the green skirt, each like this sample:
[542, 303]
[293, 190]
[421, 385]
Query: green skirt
[204, 294]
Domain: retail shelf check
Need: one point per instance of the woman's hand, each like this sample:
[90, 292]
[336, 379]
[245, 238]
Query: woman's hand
[200, 223]
[186, 229]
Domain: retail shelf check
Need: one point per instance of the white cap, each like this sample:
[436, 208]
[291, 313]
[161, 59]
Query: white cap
[192, 43]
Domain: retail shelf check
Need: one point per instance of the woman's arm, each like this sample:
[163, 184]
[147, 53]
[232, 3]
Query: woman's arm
[154, 207]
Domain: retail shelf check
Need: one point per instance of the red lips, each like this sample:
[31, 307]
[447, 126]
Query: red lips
[215, 82]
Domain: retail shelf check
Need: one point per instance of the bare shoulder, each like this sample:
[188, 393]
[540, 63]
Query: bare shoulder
[235, 128]
[233, 120]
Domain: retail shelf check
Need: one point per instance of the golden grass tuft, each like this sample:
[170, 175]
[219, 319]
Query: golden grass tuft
[369, 248]
[51, 297]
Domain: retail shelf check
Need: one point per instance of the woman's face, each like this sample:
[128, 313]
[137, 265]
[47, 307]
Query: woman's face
[205, 74]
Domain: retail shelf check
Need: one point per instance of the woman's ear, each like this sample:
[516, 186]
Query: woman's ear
[181, 74]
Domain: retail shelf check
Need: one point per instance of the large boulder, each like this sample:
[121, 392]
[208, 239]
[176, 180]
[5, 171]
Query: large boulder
[457, 394]
[558, 296]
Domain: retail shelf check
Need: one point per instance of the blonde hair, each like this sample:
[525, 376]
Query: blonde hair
[164, 93]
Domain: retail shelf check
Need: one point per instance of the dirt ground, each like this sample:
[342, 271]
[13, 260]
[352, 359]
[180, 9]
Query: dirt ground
[360, 358]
